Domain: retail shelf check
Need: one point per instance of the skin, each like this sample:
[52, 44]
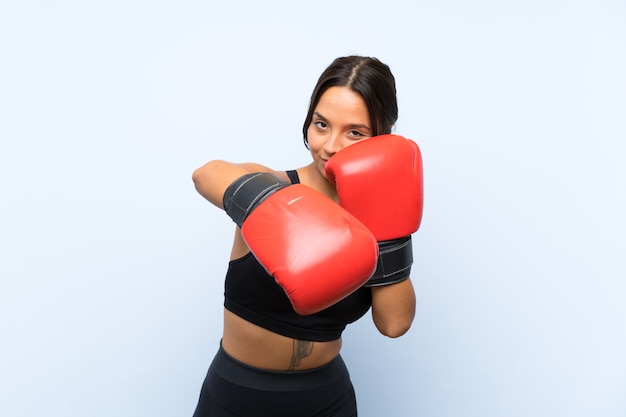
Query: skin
[340, 120]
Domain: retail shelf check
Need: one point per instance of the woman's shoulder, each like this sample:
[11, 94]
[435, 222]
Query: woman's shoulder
[255, 167]
[306, 175]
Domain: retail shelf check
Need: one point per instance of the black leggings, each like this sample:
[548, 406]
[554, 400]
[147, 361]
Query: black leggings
[234, 389]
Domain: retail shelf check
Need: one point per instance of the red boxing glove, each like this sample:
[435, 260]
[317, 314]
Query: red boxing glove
[379, 180]
[315, 250]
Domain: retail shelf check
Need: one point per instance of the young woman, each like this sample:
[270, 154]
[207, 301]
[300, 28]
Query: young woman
[279, 356]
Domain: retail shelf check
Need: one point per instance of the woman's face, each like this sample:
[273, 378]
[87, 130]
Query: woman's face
[340, 119]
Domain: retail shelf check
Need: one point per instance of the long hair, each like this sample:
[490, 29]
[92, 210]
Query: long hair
[369, 78]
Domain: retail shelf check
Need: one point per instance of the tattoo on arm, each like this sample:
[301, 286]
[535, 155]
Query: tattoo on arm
[301, 349]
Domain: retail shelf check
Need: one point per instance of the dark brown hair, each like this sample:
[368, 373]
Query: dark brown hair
[369, 78]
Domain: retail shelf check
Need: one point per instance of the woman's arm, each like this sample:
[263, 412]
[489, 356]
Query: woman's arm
[212, 179]
[393, 308]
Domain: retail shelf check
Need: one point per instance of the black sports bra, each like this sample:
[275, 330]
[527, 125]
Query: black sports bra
[251, 293]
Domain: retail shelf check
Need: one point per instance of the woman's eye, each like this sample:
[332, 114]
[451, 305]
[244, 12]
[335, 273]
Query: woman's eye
[320, 125]
[356, 133]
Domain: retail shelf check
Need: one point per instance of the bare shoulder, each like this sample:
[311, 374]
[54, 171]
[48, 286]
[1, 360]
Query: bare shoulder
[254, 167]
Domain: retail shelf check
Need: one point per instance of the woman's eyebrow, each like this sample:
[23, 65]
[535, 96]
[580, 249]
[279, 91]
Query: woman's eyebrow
[318, 115]
[353, 125]
[360, 126]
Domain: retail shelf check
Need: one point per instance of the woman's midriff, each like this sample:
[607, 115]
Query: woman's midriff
[261, 348]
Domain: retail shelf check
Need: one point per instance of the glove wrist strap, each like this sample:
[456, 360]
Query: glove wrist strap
[248, 191]
[395, 258]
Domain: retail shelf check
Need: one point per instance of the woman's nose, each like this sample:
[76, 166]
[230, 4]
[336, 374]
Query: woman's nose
[332, 144]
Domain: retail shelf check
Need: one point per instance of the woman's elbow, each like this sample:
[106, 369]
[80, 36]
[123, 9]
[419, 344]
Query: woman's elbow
[394, 328]
[393, 308]
[208, 181]
[200, 175]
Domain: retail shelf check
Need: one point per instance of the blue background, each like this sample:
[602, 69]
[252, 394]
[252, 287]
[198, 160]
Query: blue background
[111, 266]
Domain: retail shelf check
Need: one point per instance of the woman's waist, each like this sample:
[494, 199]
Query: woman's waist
[242, 374]
[262, 348]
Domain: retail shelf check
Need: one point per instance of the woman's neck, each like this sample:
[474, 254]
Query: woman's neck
[312, 177]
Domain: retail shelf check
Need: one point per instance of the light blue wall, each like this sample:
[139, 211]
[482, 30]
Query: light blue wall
[111, 265]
